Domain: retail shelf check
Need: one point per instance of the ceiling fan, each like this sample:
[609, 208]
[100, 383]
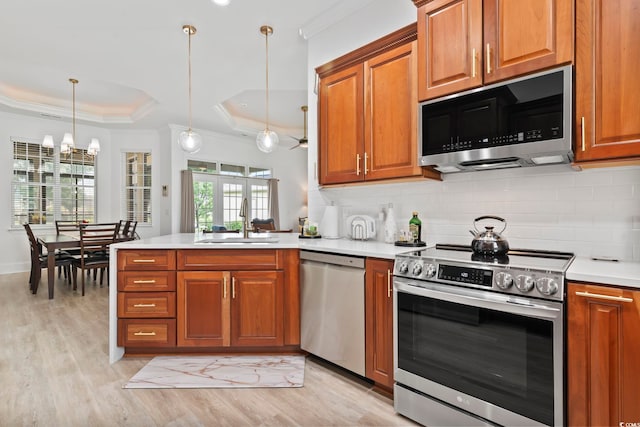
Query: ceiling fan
[302, 142]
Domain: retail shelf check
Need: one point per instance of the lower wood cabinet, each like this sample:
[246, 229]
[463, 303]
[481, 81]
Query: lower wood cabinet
[223, 308]
[205, 300]
[379, 322]
[603, 355]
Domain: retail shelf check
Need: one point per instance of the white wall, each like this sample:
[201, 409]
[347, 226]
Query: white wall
[288, 165]
[591, 213]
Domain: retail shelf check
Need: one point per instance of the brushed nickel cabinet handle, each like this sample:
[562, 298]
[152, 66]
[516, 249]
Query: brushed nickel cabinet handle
[145, 334]
[607, 297]
[224, 288]
[388, 283]
[144, 281]
[488, 58]
[473, 62]
[144, 305]
[144, 260]
[358, 164]
[582, 132]
[365, 163]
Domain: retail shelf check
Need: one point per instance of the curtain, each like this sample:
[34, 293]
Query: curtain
[274, 210]
[187, 207]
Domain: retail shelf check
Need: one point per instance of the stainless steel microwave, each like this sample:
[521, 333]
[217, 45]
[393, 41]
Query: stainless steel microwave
[522, 122]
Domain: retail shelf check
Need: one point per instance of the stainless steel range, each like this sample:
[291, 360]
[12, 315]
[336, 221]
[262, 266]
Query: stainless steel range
[479, 340]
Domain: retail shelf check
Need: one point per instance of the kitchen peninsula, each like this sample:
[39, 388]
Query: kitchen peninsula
[146, 274]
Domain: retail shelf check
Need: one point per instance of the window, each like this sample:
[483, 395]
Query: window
[137, 188]
[48, 185]
[219, 189]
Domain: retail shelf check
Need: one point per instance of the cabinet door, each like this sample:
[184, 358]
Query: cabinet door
[341, 145]
[203, 308]
[449, 46]
[521, 36]
[603, 353]
[607, 67]
[379, 321]
[391, 148]
[257, 311]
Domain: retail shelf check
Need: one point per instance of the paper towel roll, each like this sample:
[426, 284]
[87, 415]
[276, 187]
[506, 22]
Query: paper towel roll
[329, 223]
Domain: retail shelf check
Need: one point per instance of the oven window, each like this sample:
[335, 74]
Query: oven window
[502, 358]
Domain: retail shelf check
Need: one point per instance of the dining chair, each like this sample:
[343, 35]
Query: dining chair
[39, 260]
[94, 250]
[263, 224]
[131, 232]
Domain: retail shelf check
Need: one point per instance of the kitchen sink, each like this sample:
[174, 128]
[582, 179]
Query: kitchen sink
[234, 239]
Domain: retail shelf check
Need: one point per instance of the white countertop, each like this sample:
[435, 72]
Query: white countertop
[367, 248]
[618, 273]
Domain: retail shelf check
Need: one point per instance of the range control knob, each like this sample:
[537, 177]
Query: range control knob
[430, 271]
[547, 286]
[403, 267]
[416, 269]
[524, 283]
[504, 280]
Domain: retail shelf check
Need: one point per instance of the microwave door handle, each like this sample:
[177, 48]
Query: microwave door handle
[486, 300]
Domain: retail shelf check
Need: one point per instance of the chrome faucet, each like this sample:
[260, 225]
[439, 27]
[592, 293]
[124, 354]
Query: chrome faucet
[245, 222]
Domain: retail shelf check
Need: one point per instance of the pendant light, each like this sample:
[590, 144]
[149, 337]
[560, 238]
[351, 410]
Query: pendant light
[267, 140]
[68, 140]
[190, 141]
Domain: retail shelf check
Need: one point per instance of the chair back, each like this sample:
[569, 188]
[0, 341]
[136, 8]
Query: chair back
[123, 229]
[62, 226]
[35, 247]
[96, 238]
[263, 224]
[131, 231]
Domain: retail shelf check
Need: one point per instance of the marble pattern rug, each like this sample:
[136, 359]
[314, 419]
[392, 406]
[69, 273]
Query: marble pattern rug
[247, 371]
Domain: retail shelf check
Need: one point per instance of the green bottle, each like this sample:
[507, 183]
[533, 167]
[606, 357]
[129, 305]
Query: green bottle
[415, 227]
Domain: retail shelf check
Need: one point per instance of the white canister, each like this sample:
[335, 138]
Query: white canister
[329, 223]
[390, 225]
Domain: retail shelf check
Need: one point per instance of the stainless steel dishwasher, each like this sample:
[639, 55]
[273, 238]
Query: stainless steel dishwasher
[332, 308]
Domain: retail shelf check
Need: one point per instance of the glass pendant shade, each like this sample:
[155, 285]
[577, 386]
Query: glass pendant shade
[267, 140]
[94, 147]
[190, 141]
[67, 139]
[48, 141]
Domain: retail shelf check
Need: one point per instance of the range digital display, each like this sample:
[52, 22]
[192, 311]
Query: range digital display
[474, 276]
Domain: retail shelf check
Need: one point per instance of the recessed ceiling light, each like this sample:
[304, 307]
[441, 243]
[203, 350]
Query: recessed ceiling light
[222, 2]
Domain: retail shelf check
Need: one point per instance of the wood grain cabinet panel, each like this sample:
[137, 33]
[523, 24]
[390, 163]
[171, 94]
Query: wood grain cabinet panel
[603, 351]
[463, 44]
[379, 322]
[257, 310]
[204, 299]
[152, 259]
[152, 281]
[607, 125]
[146, 304]
[368, 112]
[232, 259]
[147, 332]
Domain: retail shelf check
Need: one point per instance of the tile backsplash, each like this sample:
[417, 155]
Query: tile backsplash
[594, 212]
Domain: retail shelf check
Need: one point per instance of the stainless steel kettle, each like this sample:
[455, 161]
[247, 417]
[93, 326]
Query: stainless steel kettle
[489, 242]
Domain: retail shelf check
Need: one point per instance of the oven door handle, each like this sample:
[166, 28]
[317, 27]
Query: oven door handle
[483, 299]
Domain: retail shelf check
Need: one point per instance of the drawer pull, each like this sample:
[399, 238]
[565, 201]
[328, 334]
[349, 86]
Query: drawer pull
[488, 58]
[144, 334]
[144, 260]
[144, 281]
[607, 297]
[388, 283]
[473, 62]
[143, 305]
[358, 164]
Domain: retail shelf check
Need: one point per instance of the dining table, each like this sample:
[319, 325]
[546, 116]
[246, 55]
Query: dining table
[54, 242]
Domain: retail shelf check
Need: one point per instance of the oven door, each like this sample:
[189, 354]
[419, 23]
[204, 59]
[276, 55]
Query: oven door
[495, 356]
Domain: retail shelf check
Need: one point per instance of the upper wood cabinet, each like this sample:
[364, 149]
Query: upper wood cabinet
[603, 350]
[607, 125]
[463, 44]
[368, 112]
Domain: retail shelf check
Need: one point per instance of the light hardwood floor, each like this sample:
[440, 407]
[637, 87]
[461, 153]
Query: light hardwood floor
[54, 371]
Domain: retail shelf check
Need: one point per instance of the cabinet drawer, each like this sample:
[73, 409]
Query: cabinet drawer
[147, 332]
[147, 281]
[146, 259]
[146, 304]
[233, 259]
